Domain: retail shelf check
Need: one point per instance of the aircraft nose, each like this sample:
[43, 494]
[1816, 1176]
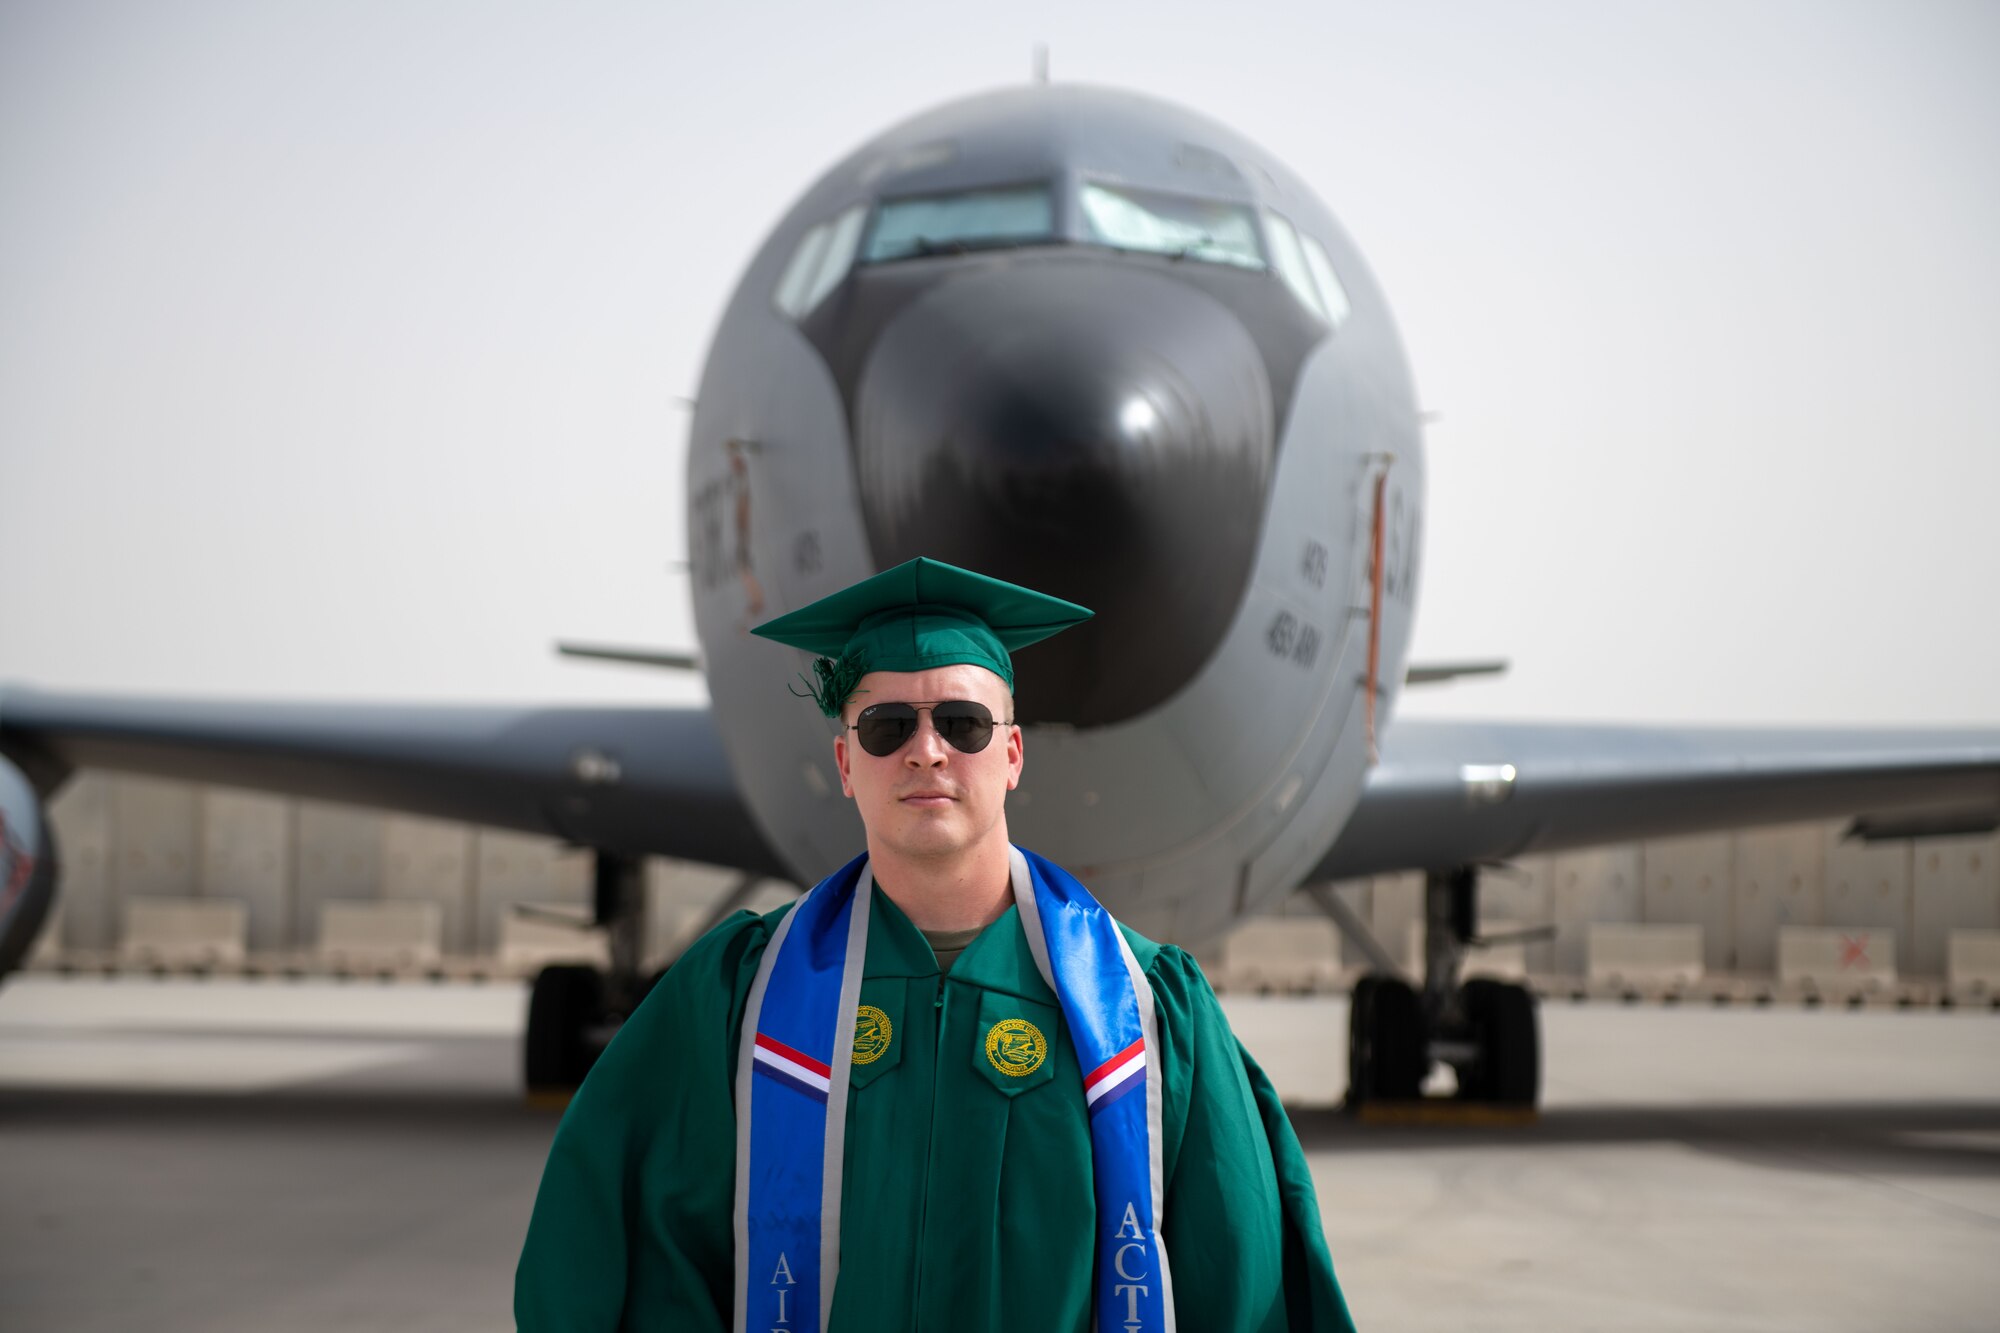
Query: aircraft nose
[1100, 431]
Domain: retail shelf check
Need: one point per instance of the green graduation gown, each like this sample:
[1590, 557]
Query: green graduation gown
[968, 1199]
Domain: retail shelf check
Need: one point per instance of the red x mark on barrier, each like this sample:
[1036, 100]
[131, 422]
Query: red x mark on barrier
[1853, 951]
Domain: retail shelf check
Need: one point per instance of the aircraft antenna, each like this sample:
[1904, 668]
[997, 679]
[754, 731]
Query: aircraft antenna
[1041, 62]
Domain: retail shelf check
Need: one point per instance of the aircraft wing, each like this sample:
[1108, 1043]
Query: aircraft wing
[640, 780]
[1464, 793]
[630, 780]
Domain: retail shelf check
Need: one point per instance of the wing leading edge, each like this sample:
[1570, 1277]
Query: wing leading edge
[1466, 793]
[656, 781]
[628, 780]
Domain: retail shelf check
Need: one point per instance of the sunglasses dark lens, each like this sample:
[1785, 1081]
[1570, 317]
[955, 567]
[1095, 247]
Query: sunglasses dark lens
[966, 726]
[884, 729]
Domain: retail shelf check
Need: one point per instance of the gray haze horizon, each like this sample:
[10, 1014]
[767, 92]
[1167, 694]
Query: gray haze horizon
[343, 348]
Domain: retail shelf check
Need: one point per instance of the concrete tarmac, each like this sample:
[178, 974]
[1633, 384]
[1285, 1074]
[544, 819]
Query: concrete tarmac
[313, 1155]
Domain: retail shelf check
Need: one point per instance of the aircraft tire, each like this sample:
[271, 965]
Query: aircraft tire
[1386, 1043]
[566, 1002]
[1502, 1018]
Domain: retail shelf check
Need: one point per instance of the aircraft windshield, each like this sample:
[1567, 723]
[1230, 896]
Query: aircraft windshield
[950, 223]
[1170, 224]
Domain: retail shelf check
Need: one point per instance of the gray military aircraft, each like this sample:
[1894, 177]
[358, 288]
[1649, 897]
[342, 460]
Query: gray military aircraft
[1096, 344]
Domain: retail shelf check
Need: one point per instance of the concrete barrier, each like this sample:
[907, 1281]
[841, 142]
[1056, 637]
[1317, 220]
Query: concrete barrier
[1836, 957]
[1291, 953]
[371, 934]
[182, 932]
[1657, 954]
[1972, 960]
[534, 935]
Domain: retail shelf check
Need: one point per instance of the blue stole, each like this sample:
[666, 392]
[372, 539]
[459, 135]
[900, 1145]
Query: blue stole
[792, 1074]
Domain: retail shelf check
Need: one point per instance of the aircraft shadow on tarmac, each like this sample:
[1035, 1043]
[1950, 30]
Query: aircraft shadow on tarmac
[1956, 1139]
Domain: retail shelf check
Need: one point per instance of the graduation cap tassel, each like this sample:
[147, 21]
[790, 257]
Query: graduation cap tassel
[837, 679]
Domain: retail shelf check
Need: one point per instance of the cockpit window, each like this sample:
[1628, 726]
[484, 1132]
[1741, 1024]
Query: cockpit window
[968, 220]
[819, 263]
[840, 242]
[1330, 291]
[1171, 224]
[1290, 261]
[791, 294]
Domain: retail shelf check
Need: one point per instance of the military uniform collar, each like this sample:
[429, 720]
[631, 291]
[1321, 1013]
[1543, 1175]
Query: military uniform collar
[999, 960]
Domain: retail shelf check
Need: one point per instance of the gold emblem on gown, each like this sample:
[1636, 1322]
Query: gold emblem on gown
[872, 1031]
[1016, 1047]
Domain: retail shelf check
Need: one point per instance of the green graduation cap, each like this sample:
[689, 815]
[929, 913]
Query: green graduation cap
[921, 614]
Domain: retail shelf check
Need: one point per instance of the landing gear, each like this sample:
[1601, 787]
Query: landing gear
[1500, 1019]
[1386, 1056]
[575, 1009]
[565, 1006]
[1485, 1029]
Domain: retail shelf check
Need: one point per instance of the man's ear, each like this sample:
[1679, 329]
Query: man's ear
[1016, 757]
[840, 762]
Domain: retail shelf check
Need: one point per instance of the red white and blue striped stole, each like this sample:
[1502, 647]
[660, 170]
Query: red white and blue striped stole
[792, 1076]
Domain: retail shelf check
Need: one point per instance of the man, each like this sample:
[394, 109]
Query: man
[944, 1090]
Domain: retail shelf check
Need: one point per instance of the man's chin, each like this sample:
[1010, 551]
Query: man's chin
[930, 837]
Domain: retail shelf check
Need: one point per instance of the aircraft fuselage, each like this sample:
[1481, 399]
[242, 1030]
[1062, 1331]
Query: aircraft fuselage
[1102, 346]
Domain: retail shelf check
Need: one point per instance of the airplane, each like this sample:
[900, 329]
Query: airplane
[1100, 345]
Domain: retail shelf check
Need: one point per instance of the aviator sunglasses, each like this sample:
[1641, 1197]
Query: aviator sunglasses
[883, 729]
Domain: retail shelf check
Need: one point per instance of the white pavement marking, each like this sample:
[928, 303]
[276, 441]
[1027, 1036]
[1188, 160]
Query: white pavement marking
[159, 1062]
[231, 1035]
[143, 1003]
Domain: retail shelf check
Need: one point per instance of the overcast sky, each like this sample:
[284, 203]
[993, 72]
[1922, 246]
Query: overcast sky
[341, 344]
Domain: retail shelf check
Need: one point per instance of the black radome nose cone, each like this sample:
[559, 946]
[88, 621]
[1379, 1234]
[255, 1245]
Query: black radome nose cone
[1096, 430]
